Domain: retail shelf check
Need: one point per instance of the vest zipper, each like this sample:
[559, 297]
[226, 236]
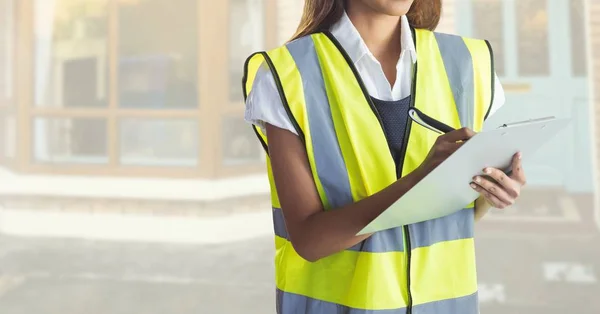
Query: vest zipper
[400, 166]
[404, 144]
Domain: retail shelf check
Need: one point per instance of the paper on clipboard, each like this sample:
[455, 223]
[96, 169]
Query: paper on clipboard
[446, 189]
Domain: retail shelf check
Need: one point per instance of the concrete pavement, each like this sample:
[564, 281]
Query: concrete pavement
[519, 274]
[540, 257]
[89, 277]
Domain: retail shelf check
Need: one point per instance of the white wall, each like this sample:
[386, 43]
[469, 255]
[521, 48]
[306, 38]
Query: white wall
[289, 13]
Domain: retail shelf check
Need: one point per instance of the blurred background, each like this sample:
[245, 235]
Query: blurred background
[129, 182]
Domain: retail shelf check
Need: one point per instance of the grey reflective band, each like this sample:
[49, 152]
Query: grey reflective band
[463, 305]
[455, 226]
[299, 304]
[279, 224]
[330, 164]
[390, 240]
[459, 69]
[294, 303]
[380, 242]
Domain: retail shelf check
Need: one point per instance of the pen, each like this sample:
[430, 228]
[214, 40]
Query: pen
[435, 125]
[428, 122]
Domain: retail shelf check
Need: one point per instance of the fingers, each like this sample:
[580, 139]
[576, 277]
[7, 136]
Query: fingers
[518, 174]
[501, 190]
[458, 135]
[493, 190]
[512, 187]
[452, 147]
[490, 198]
[445, 149]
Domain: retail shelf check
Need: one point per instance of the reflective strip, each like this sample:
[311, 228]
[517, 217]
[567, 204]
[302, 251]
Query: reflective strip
[390, 240]
[288, 303]
[456, 226]
[330, 165]
[459, 68]
[463, 305]
[279, 224]
[286, 73]
[372, 281]
[385, 241]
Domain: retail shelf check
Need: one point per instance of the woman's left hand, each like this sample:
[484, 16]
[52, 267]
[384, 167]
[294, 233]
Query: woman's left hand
[506, 188]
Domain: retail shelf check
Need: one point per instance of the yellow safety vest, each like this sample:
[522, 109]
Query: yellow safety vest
[425, 268]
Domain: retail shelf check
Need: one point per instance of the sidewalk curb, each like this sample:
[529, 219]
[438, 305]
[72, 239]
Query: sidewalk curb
[136, 228]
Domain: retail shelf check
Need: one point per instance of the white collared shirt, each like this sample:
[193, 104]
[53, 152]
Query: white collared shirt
[264, 103]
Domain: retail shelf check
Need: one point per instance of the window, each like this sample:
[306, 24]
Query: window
[240, 145]
[70, 51]
[8, 136]
[158, 54]
[246, 35]
[578, 38]
[8, 122]
[7, 31]
[532, 23]
[116, 86]
[159, 142]
[70, 140]
[488, 20]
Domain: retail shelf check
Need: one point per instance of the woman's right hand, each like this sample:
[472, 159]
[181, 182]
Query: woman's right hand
[444, 146]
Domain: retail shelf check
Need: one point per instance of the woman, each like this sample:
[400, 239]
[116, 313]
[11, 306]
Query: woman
[331, 109]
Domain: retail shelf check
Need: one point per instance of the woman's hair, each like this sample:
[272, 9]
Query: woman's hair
[320, 15]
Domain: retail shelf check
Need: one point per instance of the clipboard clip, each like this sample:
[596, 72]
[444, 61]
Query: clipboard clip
[428, 122]
[507, 125]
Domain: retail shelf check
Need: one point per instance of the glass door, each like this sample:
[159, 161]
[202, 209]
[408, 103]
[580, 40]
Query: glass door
[540, 52]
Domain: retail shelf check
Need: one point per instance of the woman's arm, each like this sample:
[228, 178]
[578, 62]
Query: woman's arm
[316, 233]
[482, 207]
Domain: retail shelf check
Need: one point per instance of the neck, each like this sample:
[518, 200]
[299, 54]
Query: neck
[380, 32]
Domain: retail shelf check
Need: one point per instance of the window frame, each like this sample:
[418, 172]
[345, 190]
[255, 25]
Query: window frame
[8, 105]
[212, 86]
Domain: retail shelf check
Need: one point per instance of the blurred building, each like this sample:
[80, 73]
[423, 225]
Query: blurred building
[130, 88]
[151, 88]
[136, 105]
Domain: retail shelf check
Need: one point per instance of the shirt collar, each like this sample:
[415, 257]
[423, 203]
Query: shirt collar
[349, 37]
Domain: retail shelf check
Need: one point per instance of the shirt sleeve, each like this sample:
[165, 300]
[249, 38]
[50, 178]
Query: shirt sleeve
[264, 105]
[499, 97]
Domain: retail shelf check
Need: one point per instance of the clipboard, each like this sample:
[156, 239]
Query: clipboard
[446, 189]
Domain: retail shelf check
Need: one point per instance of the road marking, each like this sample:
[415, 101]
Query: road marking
[492, 293]
[569, 272]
